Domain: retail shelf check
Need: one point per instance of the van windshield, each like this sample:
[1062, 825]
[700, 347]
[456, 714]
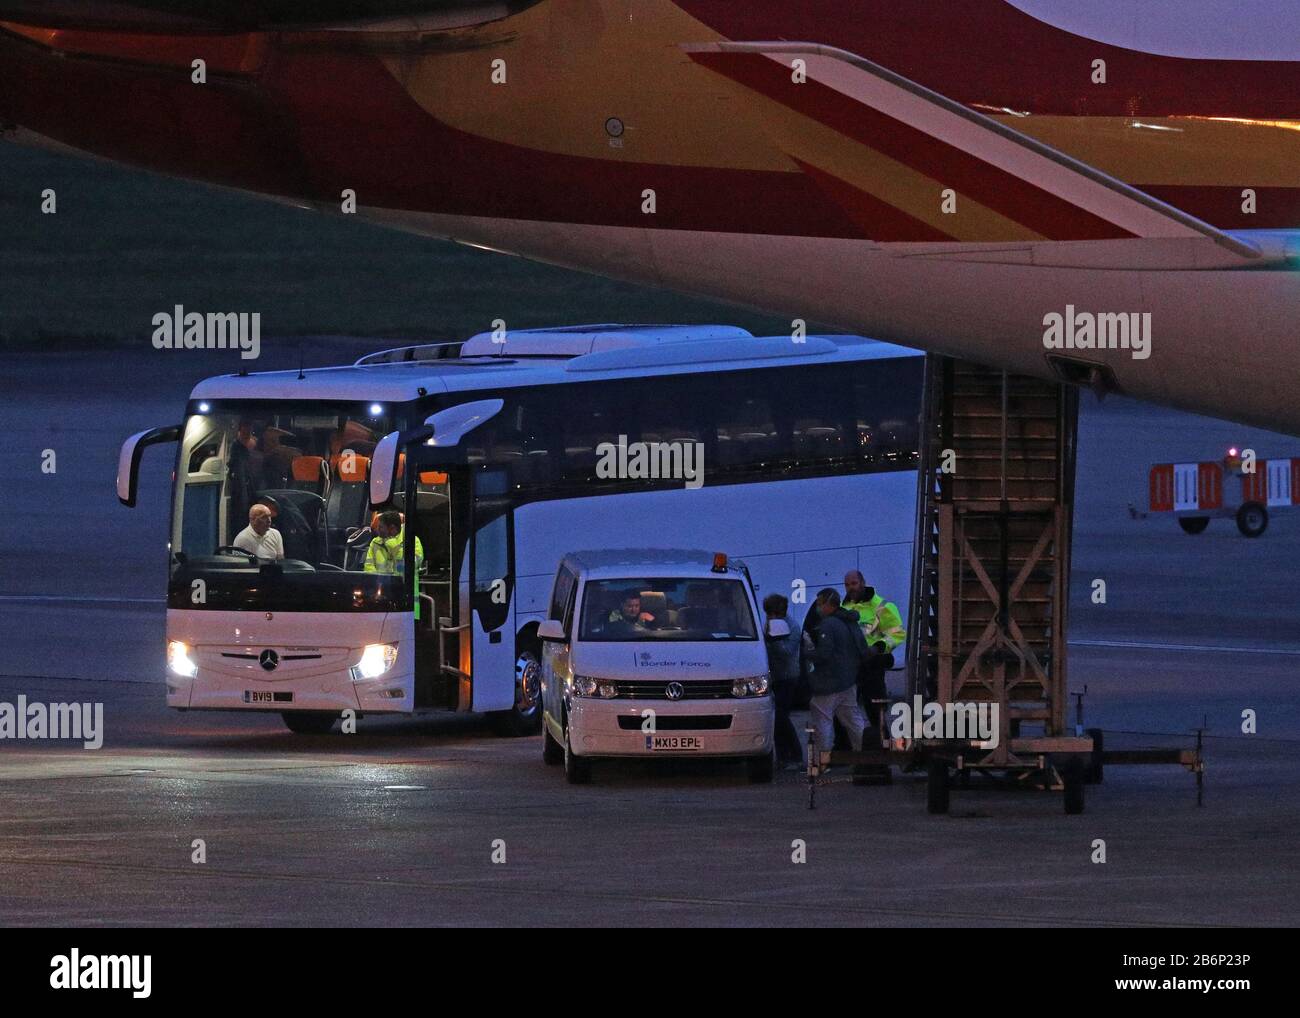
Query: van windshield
[658, 609]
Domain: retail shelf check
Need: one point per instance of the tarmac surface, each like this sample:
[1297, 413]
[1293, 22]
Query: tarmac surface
[396, 825]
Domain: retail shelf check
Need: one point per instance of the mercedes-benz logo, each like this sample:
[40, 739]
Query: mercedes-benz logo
[268, 659]
[674, 690]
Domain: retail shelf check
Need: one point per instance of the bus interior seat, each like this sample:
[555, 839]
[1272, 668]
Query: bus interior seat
[815, 437]
[348, 498]
[311, 473]
[278, 456]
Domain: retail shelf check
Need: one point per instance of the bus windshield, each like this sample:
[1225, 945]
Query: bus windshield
[657, 609]
[272, 511]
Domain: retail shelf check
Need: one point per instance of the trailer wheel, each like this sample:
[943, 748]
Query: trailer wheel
[936, 787]
[1193, 524]
[1072, 774]
[1252, 519]
[1094, 773]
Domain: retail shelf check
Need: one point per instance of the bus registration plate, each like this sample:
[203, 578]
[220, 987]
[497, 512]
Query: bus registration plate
[266, 696]
[675, 743]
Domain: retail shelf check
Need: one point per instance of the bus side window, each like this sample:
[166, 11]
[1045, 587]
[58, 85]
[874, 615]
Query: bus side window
[885, 410]
[493, 576]
[746, 429]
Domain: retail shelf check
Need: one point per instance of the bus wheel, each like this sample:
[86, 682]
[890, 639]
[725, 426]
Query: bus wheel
[525, 718]
[1252, 519]
[1193, 524]
[308, 722]
[577, 771]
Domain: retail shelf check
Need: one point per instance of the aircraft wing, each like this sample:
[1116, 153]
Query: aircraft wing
[1006, 192]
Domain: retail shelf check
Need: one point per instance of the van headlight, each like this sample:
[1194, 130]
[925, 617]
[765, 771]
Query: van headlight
[178, 660]
[755, 685]
[584, 685]
[376, 659]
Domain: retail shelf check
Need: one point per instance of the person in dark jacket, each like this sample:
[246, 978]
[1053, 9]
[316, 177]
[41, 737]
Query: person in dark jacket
[783, 666]
[838, 655]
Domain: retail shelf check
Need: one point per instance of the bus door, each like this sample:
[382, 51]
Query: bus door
[437, 502]
[491, 589]
[461, 515]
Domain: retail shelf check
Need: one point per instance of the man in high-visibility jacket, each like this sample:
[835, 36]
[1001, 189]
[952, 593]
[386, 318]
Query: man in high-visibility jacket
[385, 554]
[878, 618]
[883, 629]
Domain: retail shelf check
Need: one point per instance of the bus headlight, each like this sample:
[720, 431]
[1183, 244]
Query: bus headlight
[755, 685]
[376, 659]
[584, 685]
[178, 660]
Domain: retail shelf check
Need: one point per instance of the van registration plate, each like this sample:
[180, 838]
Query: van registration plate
[674, 743]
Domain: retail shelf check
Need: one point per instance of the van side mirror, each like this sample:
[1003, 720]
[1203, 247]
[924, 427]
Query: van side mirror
[128, 460]
[552, 630]
[777, 628]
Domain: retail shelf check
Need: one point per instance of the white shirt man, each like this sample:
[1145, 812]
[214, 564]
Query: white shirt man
[259, 537]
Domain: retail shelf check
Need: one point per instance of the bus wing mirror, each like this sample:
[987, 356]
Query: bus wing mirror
[128, 460]
[777, 629]
[451, 425]
[383, 469]
[552, 630]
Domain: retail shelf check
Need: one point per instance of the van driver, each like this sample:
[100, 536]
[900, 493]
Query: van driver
[629, 614]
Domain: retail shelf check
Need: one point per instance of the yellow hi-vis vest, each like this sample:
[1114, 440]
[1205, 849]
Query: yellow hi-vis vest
[385, 554]
[879, 620]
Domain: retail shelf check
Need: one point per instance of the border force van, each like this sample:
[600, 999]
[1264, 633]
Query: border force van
[655, 653]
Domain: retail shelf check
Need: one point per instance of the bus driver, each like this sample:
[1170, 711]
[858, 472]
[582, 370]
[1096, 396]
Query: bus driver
[259, 538]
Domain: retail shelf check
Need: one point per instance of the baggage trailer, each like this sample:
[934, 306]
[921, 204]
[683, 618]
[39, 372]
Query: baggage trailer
[990, 589]
[1244, 489]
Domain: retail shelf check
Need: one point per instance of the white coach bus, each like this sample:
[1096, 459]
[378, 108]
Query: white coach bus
[495, 454]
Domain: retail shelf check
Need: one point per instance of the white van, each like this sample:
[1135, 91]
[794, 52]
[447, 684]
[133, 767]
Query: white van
[651, 653]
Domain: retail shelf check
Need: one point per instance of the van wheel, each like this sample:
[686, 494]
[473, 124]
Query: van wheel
[525, 718]
[552, 751]
[308, 722]
[1193, 524]
[761, 768]
[1252, 519]
[577, 771]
